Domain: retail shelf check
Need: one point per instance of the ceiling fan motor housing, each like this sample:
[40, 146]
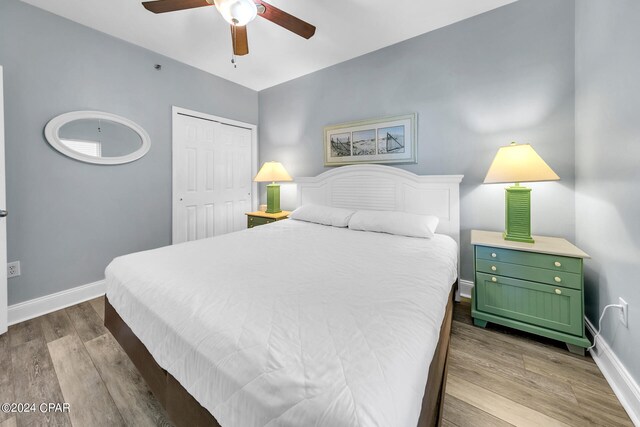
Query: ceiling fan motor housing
[237, 12]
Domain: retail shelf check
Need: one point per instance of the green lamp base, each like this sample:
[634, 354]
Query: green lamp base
[273, 198]
[517, 216]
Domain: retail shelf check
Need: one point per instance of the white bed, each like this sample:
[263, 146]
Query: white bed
[293, 323]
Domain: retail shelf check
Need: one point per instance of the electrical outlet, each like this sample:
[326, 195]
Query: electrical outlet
[13, 269]
[624, 312]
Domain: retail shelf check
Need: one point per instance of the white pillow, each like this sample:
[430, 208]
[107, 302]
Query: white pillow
[326, 215]
[400, 223]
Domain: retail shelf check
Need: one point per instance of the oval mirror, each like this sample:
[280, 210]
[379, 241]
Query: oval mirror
[97, 137]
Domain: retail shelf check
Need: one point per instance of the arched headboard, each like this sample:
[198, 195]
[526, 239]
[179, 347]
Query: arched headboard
[386, 188]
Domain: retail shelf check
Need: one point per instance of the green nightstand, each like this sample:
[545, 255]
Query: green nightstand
[257, 218]
[535, 287]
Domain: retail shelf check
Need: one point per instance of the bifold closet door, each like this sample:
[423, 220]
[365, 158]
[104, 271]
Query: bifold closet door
[212, 180]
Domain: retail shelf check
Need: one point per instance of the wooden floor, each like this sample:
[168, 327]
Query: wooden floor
[496, 377]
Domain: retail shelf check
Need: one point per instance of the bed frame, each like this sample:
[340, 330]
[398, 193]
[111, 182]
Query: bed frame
[360, 186]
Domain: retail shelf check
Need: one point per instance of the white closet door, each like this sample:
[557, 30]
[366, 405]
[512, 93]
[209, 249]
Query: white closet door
[3, 223]
[212, 178]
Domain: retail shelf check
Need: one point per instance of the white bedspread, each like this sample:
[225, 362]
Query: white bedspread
[292, 323]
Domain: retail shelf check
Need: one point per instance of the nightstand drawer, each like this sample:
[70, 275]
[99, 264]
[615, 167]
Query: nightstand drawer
[542, 305]
[535, 274]
[532, 259]
[254, 221]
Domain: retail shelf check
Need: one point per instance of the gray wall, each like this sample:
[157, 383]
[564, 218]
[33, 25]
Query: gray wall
[506, 75]
[69, 219]
[608, 165]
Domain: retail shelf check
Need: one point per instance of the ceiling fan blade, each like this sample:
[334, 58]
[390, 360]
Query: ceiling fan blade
[162, 6]
[290, 22]
[239, 40]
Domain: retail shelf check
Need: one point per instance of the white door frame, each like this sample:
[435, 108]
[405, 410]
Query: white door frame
[4, 303]
[175, 111]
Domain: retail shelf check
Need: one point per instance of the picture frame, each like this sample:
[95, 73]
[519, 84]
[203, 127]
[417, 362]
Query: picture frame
[384, 140]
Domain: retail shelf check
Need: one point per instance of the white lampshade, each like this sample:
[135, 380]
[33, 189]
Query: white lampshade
[519, 163]
[237, 12]
[272, 172]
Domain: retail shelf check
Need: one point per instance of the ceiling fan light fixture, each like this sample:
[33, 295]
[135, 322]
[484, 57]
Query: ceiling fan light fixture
[237, 12]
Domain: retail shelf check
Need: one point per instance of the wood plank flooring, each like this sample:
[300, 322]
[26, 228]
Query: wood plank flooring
[497, 377]
[69, 356]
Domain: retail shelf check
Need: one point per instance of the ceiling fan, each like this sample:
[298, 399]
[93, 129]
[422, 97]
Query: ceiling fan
[238, 13]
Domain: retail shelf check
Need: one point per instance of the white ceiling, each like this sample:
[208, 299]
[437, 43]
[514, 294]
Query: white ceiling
[201, 38]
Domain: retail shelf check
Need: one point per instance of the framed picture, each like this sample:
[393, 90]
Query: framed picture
[385, 140]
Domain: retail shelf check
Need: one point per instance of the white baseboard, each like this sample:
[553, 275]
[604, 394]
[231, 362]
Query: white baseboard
[464, 288]
[37, 307]
[616, 374]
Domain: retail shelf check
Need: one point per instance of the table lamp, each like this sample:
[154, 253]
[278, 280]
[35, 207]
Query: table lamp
[272, 172]
[518, 163]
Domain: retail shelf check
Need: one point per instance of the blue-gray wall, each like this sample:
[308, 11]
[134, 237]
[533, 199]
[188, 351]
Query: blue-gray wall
[608, 165]
[506, 75]
[69, 219]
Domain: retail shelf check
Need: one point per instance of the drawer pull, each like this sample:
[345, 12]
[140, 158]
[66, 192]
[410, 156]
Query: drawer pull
[558, 291]
[493, 255]
[494, 268]
[557, 279]
[557, 264]
[493, 279]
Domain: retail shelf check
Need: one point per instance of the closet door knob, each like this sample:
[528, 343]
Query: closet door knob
[3, 213]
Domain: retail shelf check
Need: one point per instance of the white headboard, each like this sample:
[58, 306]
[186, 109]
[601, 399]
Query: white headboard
[387, 188]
